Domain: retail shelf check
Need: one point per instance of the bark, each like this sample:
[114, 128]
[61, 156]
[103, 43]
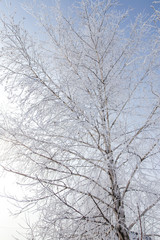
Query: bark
[121, 228]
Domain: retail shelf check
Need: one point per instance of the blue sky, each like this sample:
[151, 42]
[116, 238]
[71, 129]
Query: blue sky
[138, 5]
[10, 6]
[15, 5]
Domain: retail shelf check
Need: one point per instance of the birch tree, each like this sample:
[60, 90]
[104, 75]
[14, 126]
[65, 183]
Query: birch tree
[84, 132]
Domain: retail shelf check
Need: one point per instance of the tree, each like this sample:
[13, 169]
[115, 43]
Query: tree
[85, 132]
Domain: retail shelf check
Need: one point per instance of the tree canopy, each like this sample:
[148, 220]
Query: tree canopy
[84, 133]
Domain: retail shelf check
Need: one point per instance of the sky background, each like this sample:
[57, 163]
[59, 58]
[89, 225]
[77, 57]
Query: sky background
[7, 6]
[9, 225]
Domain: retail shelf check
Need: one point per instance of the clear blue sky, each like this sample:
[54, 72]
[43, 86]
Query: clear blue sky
[137, 5]
[10, 6]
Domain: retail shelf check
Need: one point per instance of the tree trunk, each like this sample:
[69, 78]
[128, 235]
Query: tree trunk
[121, 228]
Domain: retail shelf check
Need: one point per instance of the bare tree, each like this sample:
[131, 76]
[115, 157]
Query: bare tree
[85, 133]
